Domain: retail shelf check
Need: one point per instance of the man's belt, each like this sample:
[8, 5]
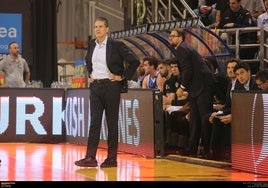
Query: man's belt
[105, 80]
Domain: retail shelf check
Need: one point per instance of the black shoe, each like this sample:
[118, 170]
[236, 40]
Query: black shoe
[86, 162]
[109, 163]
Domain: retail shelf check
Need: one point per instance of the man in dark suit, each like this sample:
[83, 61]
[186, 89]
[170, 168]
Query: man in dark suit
[244, 77]
[105, 64]
[198, 80]
[220, 143]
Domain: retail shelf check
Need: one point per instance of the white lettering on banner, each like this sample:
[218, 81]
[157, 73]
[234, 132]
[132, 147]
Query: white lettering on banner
[135, 107]
[75, 116]
[127, 121]
[76, 126]
[33, 118]
[8, 32]
[21, 115]
[4, 113]
[58, 116]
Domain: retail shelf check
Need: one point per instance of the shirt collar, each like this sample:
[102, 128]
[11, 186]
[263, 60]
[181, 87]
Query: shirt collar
[247, 85]
[103, 43]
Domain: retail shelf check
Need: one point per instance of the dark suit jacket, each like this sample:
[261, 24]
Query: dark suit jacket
[227, 105]
[117, 54]
[252, 85]
[238, 86]
[195, 74]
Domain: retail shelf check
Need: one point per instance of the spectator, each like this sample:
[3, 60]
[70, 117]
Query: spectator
[221, 7]
[262, 20]
[237, 17]
[206, 12]
[255, 7]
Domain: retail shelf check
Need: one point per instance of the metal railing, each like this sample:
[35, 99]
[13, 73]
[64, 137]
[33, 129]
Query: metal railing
[232, 40]
[167, 10]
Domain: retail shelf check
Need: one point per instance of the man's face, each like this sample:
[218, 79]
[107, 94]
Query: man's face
[174, 69]
[163, 70]
[234, 5]
[266, 4]
[147, 67]
[140, 69]
[262, 85]
[174, 39]
[230, 70]
[242, 75]
[14, 49]
[100, 29]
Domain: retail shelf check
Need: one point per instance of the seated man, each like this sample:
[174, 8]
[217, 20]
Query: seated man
[176, 124]
[152, 80]
[206, 12]
[205, 144]
[261, 79]
[220, 144]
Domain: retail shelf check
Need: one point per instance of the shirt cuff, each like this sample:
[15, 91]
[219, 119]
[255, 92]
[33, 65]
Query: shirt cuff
[182, 87]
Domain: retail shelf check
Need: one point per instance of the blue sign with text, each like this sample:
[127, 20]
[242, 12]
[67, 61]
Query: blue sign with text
[10, 30]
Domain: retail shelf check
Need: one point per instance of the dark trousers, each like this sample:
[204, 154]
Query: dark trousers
[200, 106]
[220, 140]
[176, 128]
[104, 97]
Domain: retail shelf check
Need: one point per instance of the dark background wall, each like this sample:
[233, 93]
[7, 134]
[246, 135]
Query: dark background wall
[39, 38]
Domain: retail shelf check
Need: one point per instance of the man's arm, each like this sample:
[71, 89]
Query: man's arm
[27, 77]
[160, 82]
[218, 18]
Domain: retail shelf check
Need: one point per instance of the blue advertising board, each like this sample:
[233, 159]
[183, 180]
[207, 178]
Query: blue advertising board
[10, 30]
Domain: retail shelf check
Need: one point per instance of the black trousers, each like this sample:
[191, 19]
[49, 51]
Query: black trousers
[220, 137]
[200, 106]
[104, 97]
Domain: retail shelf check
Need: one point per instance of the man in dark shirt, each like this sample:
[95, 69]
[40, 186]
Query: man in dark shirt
[237, 17]
[176, 124]
[220, 144]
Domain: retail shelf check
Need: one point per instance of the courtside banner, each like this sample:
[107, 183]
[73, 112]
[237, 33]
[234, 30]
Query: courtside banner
[250, 131]
[10, 30]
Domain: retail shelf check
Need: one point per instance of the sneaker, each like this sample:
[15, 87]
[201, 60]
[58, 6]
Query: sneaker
[86, 162]
[109, 163]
